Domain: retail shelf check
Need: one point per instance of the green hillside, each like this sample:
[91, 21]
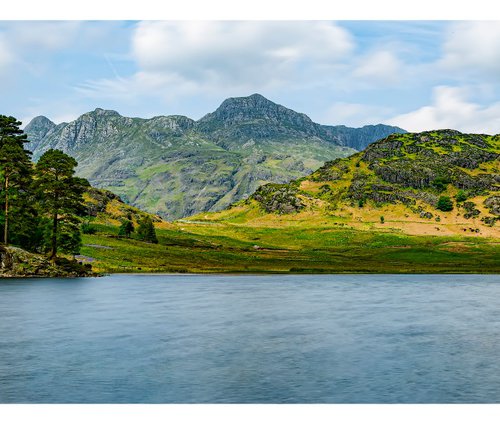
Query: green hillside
[174, 166]
[402, 178]
[376, 211]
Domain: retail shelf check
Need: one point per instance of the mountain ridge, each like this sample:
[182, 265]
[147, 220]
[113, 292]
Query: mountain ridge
[174, 166]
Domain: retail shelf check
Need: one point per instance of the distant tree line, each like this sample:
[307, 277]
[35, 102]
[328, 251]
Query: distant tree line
[145, 230]
[40, 204]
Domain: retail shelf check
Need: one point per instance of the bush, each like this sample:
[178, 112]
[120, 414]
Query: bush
[470, 210]
[444, 204]
[461, 196]
[382, 219]
[440, 183]
[88, 229]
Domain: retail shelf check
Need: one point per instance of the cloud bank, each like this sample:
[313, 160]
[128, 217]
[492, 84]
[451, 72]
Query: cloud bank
[419, 76]
[451, 109]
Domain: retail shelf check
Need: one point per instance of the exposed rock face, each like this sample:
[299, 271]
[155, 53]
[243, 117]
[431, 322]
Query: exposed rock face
[493, 204]
[360, 138]
[418, 160]
[255, 117]
[37, 129]
[174, 167]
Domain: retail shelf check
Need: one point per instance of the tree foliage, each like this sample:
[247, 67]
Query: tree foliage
[60, 197]
[146, 230]
[15, 179]
[126, 228]
[461, 196]
[444, 204]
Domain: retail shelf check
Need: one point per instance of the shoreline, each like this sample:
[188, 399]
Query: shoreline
[239, 274]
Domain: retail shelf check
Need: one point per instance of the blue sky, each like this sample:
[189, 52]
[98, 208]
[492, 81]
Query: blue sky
[419, 75]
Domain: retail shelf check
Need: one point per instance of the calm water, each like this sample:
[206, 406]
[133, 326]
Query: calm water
[251, 339]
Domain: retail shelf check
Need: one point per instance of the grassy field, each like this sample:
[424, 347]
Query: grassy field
[222, 247]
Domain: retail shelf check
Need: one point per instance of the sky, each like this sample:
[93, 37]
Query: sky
[418, 75]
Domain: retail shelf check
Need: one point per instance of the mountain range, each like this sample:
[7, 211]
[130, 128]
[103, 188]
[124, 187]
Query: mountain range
[174, 166]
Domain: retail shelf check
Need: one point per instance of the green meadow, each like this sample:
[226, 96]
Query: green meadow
[214, 247]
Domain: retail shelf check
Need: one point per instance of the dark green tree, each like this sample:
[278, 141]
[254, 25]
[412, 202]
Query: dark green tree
[444, 204]
[461, 196]
[60, 197]
[15, 174]
[69, 238]
[146, 230]
[126, 228]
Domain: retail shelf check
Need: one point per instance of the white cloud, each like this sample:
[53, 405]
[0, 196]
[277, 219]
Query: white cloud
[452, 109]
[138, 86]
[472, 47]
[28, 36]
[194, 47]
[49, 35]
[179, 57]
[29, 46]
[5, 54]
[379, 66]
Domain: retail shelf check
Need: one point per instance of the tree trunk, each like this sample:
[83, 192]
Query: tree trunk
[6, 225]
[53, 252]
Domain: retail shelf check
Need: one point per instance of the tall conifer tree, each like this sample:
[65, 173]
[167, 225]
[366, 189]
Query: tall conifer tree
[60, 196]
[15, 171]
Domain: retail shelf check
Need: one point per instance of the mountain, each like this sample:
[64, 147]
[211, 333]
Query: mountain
[174, 166]
[242, 119]
[437, 182]
[37, 129]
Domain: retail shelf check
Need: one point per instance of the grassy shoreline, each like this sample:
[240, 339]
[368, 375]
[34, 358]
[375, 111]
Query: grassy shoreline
[237, 249]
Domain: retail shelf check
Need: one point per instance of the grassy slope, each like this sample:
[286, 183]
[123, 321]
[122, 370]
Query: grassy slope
[305, 243]
[332, 233]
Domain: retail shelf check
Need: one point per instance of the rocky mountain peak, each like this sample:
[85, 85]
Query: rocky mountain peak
[40, 122]
[37, 129]
[172, 122]
[236, 110]
[103, 113]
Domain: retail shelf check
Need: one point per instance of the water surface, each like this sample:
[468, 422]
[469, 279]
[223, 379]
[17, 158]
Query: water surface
[251, 339]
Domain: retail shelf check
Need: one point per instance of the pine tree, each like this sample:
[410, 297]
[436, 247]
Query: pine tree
[69, 237]
[146, 230]
[15, 173]
[60, 197]
[444, 204]
[126, 228]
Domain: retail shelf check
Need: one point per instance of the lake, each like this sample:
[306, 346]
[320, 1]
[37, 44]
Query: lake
[251, 339]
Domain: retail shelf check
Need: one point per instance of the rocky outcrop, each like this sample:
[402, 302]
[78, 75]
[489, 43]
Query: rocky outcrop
[278, 198]
[15, 262]
[493, 204]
